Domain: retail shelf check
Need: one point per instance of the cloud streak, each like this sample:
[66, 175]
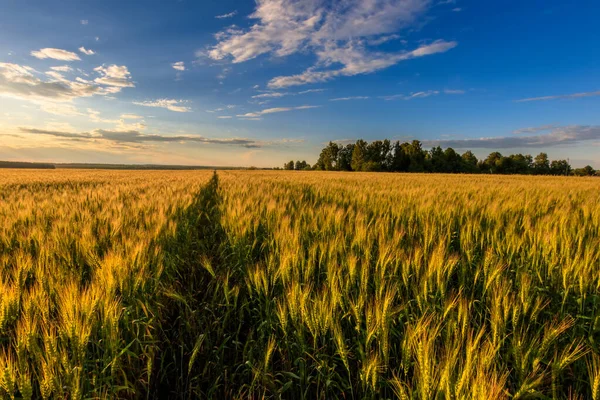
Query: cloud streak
[169, 104]
[558, 136]
[228, 15]
[259, 114]
[136, 137]
[562, 96]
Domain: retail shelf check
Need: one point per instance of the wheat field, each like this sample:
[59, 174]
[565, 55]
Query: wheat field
[298, 285]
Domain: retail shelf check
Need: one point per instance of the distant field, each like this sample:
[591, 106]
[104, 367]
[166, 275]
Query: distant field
[300, 285]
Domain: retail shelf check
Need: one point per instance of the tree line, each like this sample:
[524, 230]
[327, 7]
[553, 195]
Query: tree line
[385, 156]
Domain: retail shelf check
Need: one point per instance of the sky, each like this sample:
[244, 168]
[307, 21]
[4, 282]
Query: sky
[257, 83]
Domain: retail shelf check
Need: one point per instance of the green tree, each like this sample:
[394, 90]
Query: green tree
[560, 167]
[359, 155]
[469, 161]
[541, 164]
[289, 166]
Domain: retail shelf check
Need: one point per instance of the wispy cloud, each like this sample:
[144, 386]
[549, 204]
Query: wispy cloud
[56, 54]
[179, 66]
[415, 95]
[131, 116]
[84, 22]
[534, 129]
[86, 51]
[312, 91]
[562, 96]
[558, 136]
[259, 114]
[134, 136]
[454, 91]
[350, 98]
[169, 104]
[285, 27]
[270, 95]
[62, 68]
[228, 15]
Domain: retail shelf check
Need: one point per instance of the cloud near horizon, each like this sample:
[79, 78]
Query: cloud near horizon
[558, 136]
[344, 37]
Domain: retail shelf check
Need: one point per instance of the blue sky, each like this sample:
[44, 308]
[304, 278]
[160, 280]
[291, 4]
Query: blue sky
[261, 82]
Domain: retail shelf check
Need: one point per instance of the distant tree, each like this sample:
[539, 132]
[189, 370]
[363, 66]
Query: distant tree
[436, 160]
[289, 166]
[469, 161]
[541, 164]
[417, 156]
[521, 164]
[329, 157]
[300, 165]
[493, 163]
[377, 155]
[453, 161]
[359, 155]
[585, 171]
[400, 160]
[344, 161]
[560, 167]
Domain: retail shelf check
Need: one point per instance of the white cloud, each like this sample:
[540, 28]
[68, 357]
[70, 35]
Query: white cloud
[229, 15]
[131, 116]
[338, 34]
[62, 68]
[563, 96]
[269, 95]
[18, 81]
[258, 114]
[224, 117]
[117, 76]
[356, 60]
[84, 22]
[86, 51]
[179, 66]
[57, 54]
[169, 104]
[350, 98]
[457, 9]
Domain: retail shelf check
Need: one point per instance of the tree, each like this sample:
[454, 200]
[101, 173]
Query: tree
[328, 158]
[437, 160]
[493, 163]
[521, 164]
[560, 167]
[585, 171]
[344, 161]
[400, 160]
[289, 166]
[541, 165]
[300, 165]
[359, 155]
[417, 156]
[469, 161]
